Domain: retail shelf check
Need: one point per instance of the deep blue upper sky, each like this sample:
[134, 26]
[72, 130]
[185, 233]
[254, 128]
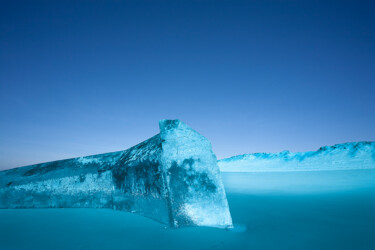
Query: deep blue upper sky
[87, 77]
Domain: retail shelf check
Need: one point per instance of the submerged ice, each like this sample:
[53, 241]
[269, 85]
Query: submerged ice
[172, 178]
[345, 156]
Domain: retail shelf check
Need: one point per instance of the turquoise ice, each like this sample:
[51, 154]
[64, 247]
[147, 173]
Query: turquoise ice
[172, 178]
[344, 156]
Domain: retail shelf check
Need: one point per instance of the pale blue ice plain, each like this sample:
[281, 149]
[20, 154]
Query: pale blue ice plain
[345, 156]
[272, 205]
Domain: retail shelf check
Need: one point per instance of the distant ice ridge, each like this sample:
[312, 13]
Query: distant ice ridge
[172, 178]
[345, 156]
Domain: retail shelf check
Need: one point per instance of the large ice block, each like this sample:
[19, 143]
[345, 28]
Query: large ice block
[172, 178]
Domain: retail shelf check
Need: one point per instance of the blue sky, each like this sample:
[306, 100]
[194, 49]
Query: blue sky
[88, 77]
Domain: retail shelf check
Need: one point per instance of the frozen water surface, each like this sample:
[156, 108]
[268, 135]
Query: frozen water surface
[289, 210]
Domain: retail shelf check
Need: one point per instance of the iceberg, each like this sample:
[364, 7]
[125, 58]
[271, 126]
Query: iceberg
[172, 178]
[345, 156]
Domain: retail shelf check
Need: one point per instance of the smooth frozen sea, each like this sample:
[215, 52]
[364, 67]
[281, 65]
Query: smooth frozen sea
[273, 210]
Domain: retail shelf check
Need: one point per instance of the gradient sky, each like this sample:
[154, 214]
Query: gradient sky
[87, 77]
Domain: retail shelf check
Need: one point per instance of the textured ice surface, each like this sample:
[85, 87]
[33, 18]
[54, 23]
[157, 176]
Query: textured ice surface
[354, 155]
[196, 192]
[172, 177]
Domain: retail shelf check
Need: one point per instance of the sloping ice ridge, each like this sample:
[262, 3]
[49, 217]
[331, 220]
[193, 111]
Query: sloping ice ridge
[345, 156]
[172, 178]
